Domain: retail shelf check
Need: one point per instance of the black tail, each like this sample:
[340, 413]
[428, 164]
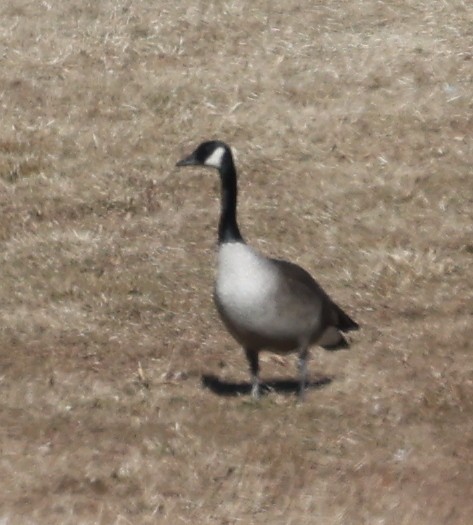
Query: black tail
[345, 322]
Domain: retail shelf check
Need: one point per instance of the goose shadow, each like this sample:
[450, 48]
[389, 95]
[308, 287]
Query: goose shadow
[282, 386]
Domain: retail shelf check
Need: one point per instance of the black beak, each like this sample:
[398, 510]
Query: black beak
[188, 161]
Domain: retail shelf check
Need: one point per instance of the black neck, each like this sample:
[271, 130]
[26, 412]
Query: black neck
[228, 228]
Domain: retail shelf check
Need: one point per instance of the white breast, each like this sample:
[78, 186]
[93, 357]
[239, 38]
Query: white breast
[246, 282]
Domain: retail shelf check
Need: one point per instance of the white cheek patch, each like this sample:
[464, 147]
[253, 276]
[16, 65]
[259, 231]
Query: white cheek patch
[215, 160]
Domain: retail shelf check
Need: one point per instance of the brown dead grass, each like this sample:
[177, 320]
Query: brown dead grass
[353, 125]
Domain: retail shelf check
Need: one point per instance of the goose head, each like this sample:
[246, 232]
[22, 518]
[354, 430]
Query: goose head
[213, 153]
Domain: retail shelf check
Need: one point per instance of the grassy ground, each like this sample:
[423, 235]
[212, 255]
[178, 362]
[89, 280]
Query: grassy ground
[352, 123]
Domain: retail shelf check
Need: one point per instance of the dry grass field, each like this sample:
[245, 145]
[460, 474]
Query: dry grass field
[122, 398]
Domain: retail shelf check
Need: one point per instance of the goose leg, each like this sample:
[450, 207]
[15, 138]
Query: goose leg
[253, 360]
[303, 357]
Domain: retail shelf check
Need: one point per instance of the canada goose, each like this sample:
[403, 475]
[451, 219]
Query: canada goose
[266, 304]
